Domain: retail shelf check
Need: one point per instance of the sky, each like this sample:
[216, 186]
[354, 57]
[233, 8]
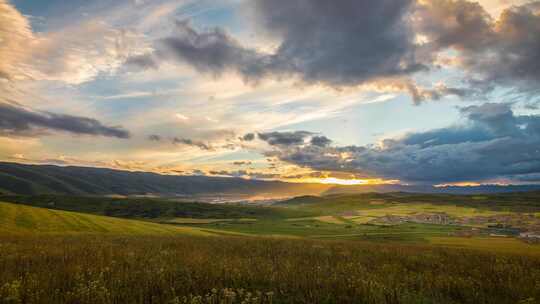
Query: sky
[433, 92]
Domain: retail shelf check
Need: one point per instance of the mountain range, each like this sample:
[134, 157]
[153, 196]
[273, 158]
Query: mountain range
[26, 179]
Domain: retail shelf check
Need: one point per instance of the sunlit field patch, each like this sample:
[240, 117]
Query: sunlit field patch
[330, 219]
[19, 219]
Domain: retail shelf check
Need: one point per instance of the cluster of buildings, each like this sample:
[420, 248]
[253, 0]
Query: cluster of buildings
[439, 218]
[530, 236]
[524, 226]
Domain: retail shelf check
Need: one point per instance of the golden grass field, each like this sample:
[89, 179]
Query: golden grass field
[160, 268]
[53, 256]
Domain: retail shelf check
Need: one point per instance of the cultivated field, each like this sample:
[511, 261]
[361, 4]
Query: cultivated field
[404, 217]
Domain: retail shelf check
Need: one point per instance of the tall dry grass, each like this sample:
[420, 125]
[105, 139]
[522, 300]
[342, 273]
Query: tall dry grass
[97, 269]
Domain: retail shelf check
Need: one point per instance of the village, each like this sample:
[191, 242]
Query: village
[524, 226]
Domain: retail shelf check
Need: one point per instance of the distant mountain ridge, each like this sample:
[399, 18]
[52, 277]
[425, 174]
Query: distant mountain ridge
[27, 179]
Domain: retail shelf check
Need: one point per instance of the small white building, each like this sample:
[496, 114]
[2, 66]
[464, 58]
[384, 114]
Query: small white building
[530, 235]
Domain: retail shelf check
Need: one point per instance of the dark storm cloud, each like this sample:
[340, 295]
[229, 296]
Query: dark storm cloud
[16, 120]
[461, 24]
[285, 138]
[213, 52]
[493, 143]
[335, 43]
[517, 50]
[350, 42]
[341, 42]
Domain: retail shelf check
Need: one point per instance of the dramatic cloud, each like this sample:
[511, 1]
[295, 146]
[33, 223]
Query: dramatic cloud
[338, 44]
[494, 143]
[19, 121]
[314, 64]
[341, 43]
[213, 52]
[72, 55]
[352, 43]
[15, 31]
[461, 24]
[503, 52]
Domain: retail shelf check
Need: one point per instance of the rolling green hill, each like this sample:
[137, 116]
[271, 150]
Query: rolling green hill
[19, 219]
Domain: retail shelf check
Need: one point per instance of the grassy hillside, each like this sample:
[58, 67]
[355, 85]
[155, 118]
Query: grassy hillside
[19, 219]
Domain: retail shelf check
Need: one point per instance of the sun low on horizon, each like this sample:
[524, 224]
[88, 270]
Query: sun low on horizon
[409, 92]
